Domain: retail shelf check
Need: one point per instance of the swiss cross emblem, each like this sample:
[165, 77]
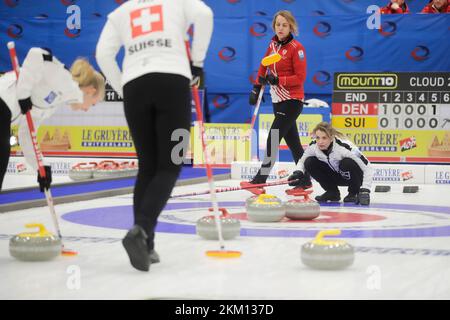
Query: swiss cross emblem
[146, 20]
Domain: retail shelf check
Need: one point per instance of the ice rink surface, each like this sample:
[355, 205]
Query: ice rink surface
[402, 244]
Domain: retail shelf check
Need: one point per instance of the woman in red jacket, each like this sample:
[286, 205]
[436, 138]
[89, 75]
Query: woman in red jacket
[286, 78]
[395, 6]
[436, 6]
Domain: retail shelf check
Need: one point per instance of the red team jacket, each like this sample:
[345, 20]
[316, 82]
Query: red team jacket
[291, 70]
[429, 8]
[388, 10]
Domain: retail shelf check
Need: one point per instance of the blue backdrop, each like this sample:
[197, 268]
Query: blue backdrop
[334, 33]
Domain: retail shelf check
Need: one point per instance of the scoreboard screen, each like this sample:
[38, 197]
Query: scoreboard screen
[401, 116]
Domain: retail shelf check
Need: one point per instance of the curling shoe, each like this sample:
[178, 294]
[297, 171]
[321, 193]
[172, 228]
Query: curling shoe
[135, 243]
[330, 195]
[154, 256]
[351, 197]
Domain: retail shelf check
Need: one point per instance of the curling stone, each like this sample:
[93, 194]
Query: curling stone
[35, 246]
[266, 208]
[132, 169]
[327, 254]
[206, 226]
[303, 208]
[82, 171]
[107, 169]
[123, 169]
[268, 196]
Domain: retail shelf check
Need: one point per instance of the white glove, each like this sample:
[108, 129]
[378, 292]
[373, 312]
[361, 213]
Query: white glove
[316, 103]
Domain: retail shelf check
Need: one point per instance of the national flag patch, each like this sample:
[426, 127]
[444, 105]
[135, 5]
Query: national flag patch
[146, 20]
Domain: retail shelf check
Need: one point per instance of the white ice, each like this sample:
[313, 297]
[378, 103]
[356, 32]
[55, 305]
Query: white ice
[269, 268]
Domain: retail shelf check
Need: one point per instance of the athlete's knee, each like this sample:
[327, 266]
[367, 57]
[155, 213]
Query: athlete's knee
[347, 164]
[311, 163]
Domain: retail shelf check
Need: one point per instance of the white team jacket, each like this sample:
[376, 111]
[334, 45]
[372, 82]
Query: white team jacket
[153, 35]
[341, 149]
[48, 83]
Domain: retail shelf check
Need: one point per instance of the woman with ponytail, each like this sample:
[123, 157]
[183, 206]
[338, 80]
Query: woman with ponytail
[43, 86]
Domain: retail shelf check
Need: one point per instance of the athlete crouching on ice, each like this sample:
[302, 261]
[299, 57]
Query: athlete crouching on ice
[333, 161]
[44, 85]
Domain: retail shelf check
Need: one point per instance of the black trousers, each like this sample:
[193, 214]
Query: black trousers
[156, 105]
[286, 114]
[5, 132]
[350, 174]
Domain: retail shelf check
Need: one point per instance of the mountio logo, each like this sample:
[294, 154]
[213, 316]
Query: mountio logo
[322, 29]
[354, 54]
[388, 28]
[258, 29]
[420, 53]
[221, 101]
[12, 3]
[14, 31]
[227, 54]
[322, 78]
[73, 21]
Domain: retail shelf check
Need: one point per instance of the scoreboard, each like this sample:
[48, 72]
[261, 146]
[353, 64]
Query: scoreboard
[395, 116]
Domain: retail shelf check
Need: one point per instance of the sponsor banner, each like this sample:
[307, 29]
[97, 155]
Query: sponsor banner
[401, 143]
[365, 81]
[305, 124]
[225, 143]
[60, 166]
[83, 140]
[437, 174]
[247, 170]
[382, 173]
[394, 174]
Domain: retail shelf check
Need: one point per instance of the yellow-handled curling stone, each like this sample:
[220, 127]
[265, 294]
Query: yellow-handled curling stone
[268, 196]
[327, 254]
[35, 246]
[207, 228]
[266, 208]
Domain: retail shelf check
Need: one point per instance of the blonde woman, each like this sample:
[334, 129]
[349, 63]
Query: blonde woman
[44, 85]
[334, 161]
[286, 79]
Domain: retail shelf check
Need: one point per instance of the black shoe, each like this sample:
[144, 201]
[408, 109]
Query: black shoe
[135, 243]
[364, 197]
[332, 195]
[258, 180]
[154, 256]
[351, 197]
